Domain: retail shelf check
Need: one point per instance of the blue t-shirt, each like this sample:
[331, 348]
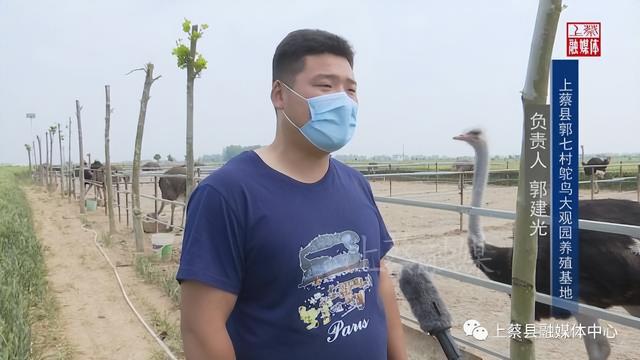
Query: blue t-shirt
[302, 259]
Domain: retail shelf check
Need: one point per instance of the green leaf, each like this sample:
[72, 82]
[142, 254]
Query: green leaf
[181, 52]
[200, 64]
[186, 26]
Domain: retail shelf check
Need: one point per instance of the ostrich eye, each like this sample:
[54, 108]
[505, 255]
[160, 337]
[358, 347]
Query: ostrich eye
[474, 132]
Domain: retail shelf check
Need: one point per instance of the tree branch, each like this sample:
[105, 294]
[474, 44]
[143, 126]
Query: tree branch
[134, 70]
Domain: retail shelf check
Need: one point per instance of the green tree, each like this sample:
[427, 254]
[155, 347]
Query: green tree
[188, 58]
[157, 157]
[170, 158]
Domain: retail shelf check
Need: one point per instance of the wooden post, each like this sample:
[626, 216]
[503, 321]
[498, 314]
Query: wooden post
[638, 183]
[155, 199]
[61, 162]
[461, 196]
[40, 170]
[81, 157]
[108, 194]
[126, 199]
[436, 176]
[71, 186]
[592, 184]
[29, 155]
[35, 160]
[620, 182]
[118, 199]
[137, 211]
[47, 163]
[52, 183]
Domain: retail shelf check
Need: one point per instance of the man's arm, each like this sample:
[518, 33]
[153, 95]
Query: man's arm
[204, 313]
[396, 348]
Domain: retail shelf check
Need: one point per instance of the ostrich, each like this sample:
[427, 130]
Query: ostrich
[595, 166]
[150, 166]
[173, 187]
[94, 173]
[611, 263]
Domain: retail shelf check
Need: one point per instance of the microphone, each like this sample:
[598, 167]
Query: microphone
[427, 306]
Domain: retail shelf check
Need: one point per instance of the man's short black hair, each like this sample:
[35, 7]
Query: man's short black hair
[288, 59]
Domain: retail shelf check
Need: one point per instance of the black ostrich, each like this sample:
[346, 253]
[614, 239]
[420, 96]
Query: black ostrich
[595, 166]
[610, 271]
[173, 187]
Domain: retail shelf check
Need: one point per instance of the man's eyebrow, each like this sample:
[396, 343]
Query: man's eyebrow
[333, 78]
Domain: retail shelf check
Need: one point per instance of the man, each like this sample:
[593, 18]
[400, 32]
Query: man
[282, 246]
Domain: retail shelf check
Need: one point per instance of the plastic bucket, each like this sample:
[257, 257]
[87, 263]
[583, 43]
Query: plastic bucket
[90, 204]
[162, 245]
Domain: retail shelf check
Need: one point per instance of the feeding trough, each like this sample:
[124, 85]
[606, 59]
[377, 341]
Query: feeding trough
[150, 225]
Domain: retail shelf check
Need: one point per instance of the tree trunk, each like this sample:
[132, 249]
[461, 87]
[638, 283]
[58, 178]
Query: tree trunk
[107, 160]
[46, 159]
[35, 160]
[61, 162]
[40, 170]
[135, 180]
[81, 157]
[70, 187]
[190, 82]
[29, 155]
[525, 246]
[51, 176]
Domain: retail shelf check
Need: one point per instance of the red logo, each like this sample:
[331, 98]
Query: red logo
[584, 39]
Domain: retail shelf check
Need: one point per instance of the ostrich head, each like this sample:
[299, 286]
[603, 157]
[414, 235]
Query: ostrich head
[474, 137]
[477, 139]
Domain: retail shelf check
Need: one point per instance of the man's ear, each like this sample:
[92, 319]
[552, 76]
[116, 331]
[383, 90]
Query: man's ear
[277, 96]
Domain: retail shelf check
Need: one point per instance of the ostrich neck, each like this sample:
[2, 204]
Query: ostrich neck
[480, 176]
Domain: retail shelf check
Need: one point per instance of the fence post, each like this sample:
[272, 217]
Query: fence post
[638, 183]
[155, 200]
[118, 199]
[620, 182]
[436, 176]
[592, 184]
[126, 199]
[461, 196]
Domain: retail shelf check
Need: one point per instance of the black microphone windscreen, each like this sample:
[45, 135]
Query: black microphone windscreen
[426, 304]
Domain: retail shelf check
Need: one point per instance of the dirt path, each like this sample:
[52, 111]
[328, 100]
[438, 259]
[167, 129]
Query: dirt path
[97, 322]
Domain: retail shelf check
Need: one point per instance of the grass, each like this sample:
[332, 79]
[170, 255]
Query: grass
[24, 300]
[105, 239]
[168, 331]
[154, 272]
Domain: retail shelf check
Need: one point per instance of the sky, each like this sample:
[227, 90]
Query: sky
[426, 71]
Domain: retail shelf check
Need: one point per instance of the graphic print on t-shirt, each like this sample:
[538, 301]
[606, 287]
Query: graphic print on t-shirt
[324, 262]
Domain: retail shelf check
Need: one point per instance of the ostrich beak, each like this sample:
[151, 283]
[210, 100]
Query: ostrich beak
[462, 137]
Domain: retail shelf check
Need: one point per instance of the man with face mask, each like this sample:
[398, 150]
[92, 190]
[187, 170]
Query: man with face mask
[282, 250]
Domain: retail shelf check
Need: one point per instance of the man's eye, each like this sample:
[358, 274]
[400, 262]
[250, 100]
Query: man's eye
[353, 91]
[324, 85]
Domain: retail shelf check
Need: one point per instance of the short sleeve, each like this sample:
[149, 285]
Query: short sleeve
[213, 242]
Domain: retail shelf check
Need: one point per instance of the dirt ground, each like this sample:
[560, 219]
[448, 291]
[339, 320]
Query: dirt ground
[433, 237]
[97, 322]
[429, 236]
